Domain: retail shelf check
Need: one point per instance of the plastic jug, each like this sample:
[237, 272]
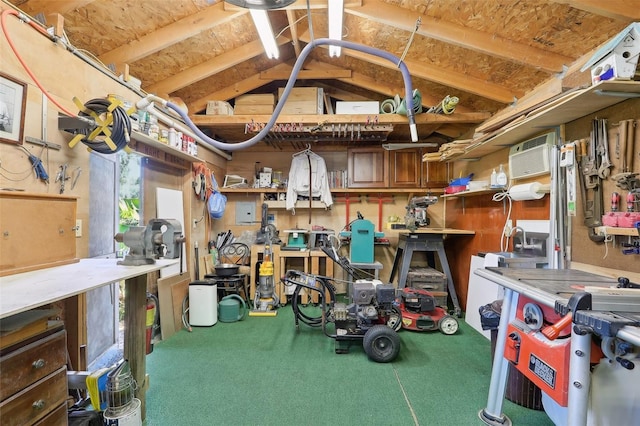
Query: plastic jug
[229, 308]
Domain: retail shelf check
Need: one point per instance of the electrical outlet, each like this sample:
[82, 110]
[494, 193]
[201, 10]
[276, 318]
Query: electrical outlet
[78, 228]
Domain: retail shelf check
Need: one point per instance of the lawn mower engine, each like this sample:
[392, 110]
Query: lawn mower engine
[420, 313]
[371, 316]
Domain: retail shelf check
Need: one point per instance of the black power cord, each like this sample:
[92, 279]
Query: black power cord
[325, 287]
[120, 127]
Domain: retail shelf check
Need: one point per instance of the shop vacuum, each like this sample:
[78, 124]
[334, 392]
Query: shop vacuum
[266, 301]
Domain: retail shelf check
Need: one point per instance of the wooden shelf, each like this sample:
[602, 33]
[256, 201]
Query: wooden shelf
[574, 105]
[232, 127]
[300, 204]
[611, 230]
[337, 190]
[471, 193]
[150, 142]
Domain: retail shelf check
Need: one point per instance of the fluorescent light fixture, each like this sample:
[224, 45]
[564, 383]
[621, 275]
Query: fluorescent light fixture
[397, 146]
[263, 25]
[335, 25]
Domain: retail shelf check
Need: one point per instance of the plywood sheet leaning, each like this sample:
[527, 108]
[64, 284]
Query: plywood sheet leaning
[171, 292]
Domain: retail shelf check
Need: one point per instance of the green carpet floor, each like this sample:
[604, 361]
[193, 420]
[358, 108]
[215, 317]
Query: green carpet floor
[261, 371]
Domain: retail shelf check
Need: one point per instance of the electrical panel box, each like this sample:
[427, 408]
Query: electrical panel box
[245, 213]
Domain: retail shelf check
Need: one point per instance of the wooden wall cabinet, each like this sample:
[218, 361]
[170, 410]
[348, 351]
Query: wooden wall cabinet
[367, 167]
[38, 231]
[407, 170]
[435, 174]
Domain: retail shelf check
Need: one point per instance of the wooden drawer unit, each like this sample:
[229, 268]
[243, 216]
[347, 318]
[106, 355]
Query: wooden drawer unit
[33, 381]
[30, 363]
[57, 417]
[36, 401]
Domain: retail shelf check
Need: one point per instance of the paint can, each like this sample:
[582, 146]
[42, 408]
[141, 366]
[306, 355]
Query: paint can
[131, 416]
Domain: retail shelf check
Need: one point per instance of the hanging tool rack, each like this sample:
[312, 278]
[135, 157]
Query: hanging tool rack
[298, 134]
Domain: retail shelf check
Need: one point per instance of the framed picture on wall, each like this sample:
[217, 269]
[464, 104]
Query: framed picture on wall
[13, 98]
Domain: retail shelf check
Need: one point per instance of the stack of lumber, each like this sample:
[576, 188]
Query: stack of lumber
[447, 150]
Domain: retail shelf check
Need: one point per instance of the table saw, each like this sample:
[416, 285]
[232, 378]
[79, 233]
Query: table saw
[554, 325]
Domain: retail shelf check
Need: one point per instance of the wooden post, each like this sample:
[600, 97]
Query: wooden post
[135, 302]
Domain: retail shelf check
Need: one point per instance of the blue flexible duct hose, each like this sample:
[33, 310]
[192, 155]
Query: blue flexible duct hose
[290, 83]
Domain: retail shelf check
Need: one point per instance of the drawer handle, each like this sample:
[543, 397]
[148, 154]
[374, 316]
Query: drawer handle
[39, 404]
[39, 363]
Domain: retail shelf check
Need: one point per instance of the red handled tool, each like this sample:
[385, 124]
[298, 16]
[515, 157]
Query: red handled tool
[631, 202]
[615, 201]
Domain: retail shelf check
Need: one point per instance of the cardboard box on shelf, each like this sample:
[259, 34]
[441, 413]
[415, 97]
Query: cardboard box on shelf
[254, 104]
[303, 100]
[362, 107]
[219, 108]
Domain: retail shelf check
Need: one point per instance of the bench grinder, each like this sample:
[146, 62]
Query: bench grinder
[160, 238]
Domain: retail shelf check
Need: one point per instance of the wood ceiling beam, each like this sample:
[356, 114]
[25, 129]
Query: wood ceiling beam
[46, 7]
[624, 10]
[445, 77]
[169, 35]
[305, 74]
[468, 38]
[302, 5]
[213, 66]
[293, 29]
[237, 89]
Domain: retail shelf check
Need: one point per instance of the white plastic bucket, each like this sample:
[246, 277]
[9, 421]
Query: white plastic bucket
[129, 417]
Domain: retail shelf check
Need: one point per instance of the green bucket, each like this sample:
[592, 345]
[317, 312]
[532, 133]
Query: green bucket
[232, 308]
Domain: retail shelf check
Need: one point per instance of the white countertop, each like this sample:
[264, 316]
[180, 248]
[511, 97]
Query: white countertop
[29, 290]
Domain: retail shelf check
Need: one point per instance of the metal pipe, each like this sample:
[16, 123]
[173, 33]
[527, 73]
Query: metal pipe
[492, 414]
[579, 378]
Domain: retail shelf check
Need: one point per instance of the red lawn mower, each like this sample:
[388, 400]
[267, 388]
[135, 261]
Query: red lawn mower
[420, 312]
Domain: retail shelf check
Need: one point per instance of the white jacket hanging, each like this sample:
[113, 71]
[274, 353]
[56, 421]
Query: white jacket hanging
[299, 179]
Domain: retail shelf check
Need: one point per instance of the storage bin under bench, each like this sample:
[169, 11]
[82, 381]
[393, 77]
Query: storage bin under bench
[431, 280]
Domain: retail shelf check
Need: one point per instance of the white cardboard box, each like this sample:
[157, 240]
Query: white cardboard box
[364, 107]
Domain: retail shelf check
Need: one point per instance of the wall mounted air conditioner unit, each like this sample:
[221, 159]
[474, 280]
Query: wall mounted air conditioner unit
[531, 157]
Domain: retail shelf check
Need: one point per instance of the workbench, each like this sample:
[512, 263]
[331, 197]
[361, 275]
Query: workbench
[30, 290]
[552, 288]
[427, 240]
[310, 260]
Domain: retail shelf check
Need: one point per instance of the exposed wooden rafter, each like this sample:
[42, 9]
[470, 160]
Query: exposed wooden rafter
[169, 35]
[213, 66]
[237, 89]
[490, 44]
[614, 9]
[447, 77]
[293, 30]
[33, 7]
[302, 4]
